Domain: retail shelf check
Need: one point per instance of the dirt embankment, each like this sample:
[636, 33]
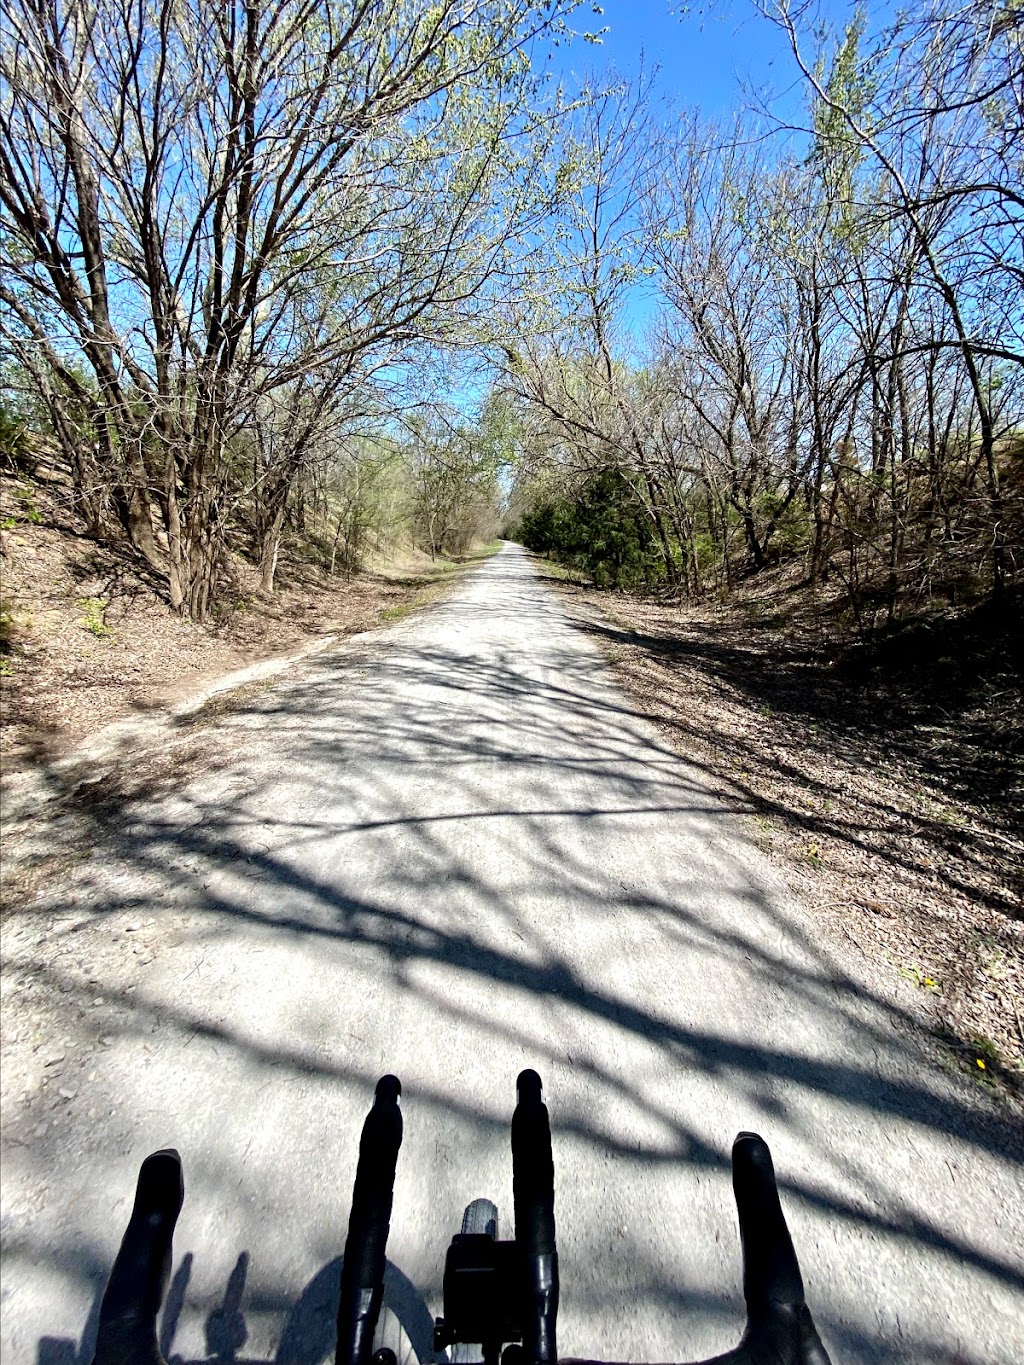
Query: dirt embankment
[87, 639]
[95, 670]
[887, 778]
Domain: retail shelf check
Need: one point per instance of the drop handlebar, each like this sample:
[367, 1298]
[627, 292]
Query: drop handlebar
[521, 1278]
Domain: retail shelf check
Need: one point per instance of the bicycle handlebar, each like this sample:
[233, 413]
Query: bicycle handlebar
[362, 1273]
[126, 1334]
[778, 1319]
[533, 1195]
[779, 1329]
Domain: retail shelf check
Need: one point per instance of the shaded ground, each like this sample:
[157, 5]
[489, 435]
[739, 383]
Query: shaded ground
[887, 780]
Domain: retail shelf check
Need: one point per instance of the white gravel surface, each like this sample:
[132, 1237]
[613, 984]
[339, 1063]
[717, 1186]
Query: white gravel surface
[451, 849]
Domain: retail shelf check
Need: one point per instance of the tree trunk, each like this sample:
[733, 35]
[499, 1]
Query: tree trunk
[270, 550]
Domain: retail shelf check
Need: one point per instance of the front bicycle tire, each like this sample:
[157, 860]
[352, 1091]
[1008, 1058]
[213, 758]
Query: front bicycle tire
[481, 1219]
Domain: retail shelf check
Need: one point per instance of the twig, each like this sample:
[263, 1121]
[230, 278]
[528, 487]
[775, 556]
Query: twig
[1016, 1016]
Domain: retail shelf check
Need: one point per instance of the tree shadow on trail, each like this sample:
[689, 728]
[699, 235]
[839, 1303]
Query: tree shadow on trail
[349, 818]
[902, 703]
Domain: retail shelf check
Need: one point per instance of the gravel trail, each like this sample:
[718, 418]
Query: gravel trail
[452, 849]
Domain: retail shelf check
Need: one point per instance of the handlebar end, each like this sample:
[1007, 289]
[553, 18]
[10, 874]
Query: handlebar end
[529, 1087]
[388, 1090]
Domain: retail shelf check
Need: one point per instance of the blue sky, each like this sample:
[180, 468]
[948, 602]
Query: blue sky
[724, 59]
[713, 59]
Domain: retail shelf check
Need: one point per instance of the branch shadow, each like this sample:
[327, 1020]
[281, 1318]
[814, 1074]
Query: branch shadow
[483, 782]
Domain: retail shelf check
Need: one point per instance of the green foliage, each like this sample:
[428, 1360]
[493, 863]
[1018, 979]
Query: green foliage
[983, 1058]
[454, 469]
[792, 525]
[706, 554]
[93, 617]
[813, 855]
[837, 152]
[8, 625]
[25, 509]
[369, 499]
[919, 977]
[602, 530]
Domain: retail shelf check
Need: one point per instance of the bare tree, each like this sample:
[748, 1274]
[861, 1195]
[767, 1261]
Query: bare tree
[937, 106]
[211, 203]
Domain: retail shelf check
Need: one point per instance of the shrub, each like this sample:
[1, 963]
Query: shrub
[602, 530]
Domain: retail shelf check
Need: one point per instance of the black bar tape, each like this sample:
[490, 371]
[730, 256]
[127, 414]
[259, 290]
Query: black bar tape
[533, 1193]
[126, 1333]
[362, 1274]
[779, 1324]
[771, 1274]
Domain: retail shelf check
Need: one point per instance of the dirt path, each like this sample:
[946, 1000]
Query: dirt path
[451, 849]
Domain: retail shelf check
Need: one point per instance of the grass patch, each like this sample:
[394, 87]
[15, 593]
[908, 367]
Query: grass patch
[813, 855]
[919, 977]
[457, 563]
[397, 613]
[433, 581]
[548, 568]
[430, 594]
[94, 616]
[482, 552]
[983, 1059]
[438, 572]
